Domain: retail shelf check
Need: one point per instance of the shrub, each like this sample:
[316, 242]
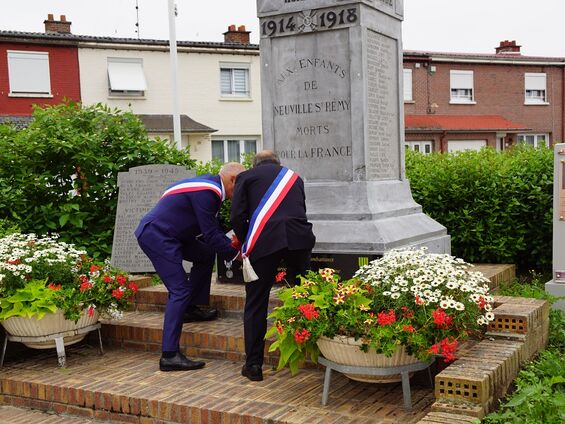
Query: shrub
[497, 206]
[60, 173]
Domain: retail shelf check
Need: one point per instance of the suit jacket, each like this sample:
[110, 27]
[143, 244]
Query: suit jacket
[288, 227]
[179, 218]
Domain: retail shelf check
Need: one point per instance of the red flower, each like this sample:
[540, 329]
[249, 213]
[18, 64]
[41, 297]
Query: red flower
[446, 348]
[482, 302]
[419, 300]
[300, 336]
[94, 268]
[85, 286]
[117, 293]
[280, 276]
[107, 279]
[441, 319]
[83, 278]
[91, 311]
[54, 287]
[133, 287]
[280, 327]
[408, 328]
[14, 262]
[121, 280]
[309, 311]
[386, 318]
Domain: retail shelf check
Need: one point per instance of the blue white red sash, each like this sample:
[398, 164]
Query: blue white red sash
[271, 200]
[195, 184]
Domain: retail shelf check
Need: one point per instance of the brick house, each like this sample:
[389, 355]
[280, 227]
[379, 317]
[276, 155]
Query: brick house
[37, 69]
[456, 101]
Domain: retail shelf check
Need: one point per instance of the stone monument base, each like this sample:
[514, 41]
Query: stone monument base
[369, 218]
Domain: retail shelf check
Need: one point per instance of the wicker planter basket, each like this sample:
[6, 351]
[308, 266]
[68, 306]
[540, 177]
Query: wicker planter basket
[345, 351]
[48, 325]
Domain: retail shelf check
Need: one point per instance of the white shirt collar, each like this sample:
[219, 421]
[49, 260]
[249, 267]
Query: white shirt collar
[223, 190]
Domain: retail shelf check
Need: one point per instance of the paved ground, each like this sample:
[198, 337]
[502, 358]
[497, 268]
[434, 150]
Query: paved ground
[131, 385]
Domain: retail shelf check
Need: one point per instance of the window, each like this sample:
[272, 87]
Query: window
[535, 140]
[461, 87]
[408, 85]
[126, 77]
[420, 146]
[535, 86]
[28, 73]
[232, 150]
[234, 80]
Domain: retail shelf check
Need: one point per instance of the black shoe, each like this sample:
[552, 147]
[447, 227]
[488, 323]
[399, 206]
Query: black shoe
[179, 362]
[252, 372]
[194, 313]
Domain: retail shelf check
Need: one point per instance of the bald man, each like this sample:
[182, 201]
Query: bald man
[184, 225]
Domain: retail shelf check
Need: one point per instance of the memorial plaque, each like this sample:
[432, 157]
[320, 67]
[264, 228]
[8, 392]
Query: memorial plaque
[333, 109]
[138, 191]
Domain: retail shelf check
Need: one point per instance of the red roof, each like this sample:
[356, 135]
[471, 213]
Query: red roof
[477, 123]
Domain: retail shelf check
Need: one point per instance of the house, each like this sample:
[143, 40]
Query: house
[37, 69]
[458, 101]
[219, 83]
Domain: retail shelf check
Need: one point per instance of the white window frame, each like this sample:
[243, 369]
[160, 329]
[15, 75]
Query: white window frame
[420, 146]
[231, 66]
[241, 141]
[35, 73]
[407, 79]
[536, 139]
[461, 92]
[127, 93]
[535, 88]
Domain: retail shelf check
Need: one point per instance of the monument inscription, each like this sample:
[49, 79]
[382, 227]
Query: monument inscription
[383, 156]
[139, 191]
[312, 105]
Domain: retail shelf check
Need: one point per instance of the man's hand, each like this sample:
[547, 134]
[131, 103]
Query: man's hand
[235, 243]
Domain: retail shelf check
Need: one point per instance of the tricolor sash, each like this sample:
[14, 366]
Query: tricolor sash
[269, 203]
[194, 184]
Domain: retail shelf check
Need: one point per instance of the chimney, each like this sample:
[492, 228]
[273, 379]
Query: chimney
[508, 47]
[239, 36]
[61, 27]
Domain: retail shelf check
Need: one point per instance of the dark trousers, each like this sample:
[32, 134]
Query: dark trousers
[257, 297]
[182, 291]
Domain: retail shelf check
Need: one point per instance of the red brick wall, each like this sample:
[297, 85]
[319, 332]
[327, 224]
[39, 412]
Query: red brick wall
[64, 70]
[498, 90]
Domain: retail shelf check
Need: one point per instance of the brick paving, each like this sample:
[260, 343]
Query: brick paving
[129, 388]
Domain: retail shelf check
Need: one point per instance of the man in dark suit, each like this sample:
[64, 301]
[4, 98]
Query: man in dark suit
[286, 234]
[184, 225]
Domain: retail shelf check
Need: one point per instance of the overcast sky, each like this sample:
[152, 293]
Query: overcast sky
[470, 26]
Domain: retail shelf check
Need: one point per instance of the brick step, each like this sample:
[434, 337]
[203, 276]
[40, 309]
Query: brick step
[128, 387]
[13, 415]
[142, 331]
[229, 299]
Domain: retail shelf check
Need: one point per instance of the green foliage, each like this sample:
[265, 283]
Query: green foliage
[497, 206]
[60, 174]
[34, 299]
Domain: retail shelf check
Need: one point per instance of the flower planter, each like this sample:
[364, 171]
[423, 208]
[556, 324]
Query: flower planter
[345, 351]
[48, 325]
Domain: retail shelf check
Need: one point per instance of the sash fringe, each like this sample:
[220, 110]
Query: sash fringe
[248, 271]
